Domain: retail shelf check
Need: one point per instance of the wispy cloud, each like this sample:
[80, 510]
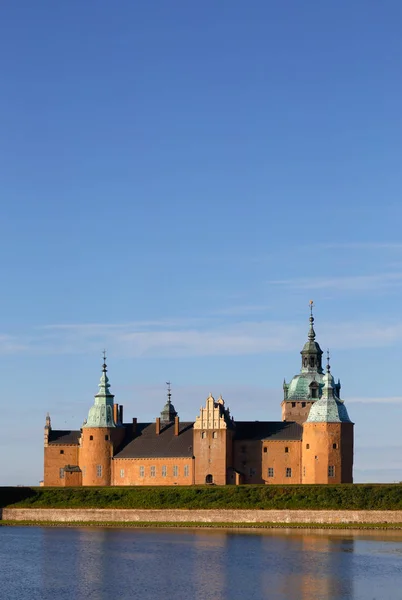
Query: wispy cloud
[349, 283]
[376, 400]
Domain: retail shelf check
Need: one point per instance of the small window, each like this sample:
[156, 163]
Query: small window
[293, 404]
[153, 471]
[122, 473]
[175, 471]
[331, 471]
[186, 470]
[142, 471]
[99, 470]
[61, 473]
[334, 446]
[214, 434]
[288, 472]
[252, 472]
[61, 451]
[84, 471]
[270, 471]
[307, 446]
[265, 449]
[314, 392]
[106, 438]
[164, 470]
[303, 405]
[203, 435]
[91, 437]
[286, 449]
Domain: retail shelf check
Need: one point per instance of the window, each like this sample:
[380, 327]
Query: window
[270, 471]
[265, 449]
[91, 437]
[243, 449]
[186, 471]
[61, 473]
[153, 471]
[164, 471]
[307, 446]
[203, 435]
[175, 471]
[331, 471]
[252, 472]
[84, 471]
[334, 446]
[99, 470]
[122, 473]
[142, 471]
[61, 451]
[286, 449]
[293, 404]
[288, 472]
[312, 362]
[314, 392]
[303, 405]
[214, 435]
[106, 438]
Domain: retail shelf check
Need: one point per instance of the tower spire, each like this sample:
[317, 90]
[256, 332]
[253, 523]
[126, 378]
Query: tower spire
[101, 413]
[168, 413]
[311, 333]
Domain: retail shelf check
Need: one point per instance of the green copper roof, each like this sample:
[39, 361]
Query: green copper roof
[101, 413]
[329, 408]
[168, 413]
[308, 384]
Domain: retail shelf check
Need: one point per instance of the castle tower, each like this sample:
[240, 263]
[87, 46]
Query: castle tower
[168, 413]
[327, 446]
[213, 443]
[306, 387]
[101, 433]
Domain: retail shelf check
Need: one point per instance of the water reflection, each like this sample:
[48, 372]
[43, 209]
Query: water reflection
[100, 564]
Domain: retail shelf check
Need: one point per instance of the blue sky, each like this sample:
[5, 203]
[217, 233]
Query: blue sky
[177, 181]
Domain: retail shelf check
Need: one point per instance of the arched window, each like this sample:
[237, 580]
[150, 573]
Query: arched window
[209, 479]
[312, 361]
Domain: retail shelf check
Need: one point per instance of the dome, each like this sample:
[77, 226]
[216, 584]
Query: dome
[299, 387]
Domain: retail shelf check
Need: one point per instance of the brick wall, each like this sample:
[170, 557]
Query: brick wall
[56, 457]
[126, 471]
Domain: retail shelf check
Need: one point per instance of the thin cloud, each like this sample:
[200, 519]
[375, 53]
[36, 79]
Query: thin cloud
[350, 283]
[376, 400]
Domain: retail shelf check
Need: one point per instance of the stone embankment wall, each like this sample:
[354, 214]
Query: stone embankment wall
[202, 516]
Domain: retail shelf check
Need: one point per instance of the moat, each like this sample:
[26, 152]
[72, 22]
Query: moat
[100, 564]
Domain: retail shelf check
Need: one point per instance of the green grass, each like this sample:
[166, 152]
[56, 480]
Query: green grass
[197, 525]
[325, 497]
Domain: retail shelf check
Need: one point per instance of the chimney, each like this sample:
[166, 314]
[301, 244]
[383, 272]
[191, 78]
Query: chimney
[158, 425]
[176, 425]
[134, 425]
[48, 428]
[115, 413]
[121, 414]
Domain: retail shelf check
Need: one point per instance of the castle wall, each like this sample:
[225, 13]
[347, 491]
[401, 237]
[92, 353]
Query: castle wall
[282, 456]
[296, 410]
[72, 479]
[327, 453]
[210, 447]
[57, 456]
[150, 471]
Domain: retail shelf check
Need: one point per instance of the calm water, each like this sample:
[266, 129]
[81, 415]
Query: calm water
[119, 564]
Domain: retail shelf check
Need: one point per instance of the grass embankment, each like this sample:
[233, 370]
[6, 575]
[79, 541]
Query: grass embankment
[318, 497]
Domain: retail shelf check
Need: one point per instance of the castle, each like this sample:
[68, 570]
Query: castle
[312, 444]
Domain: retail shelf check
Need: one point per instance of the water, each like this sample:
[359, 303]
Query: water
[120, 564]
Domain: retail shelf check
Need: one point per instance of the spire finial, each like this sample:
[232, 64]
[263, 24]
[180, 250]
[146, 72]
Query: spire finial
[328, 365]
[311, 333]
[169, 391]
[104, 366]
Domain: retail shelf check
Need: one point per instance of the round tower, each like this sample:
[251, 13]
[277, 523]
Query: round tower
[327, 446]
[98, 436]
